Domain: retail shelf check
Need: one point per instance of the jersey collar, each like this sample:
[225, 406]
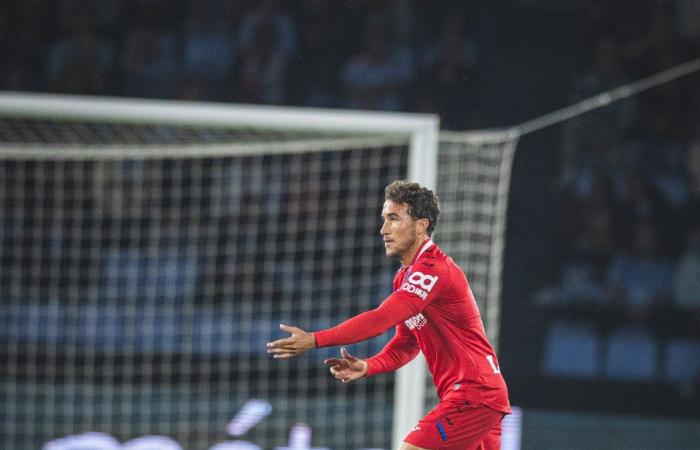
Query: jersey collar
[424, 246]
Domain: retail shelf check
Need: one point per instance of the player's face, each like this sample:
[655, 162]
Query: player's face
[400, 231]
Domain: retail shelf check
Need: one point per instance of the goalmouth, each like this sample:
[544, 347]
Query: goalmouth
[75, 133]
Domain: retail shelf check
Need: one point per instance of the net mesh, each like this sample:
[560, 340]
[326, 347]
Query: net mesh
[473, 183]
[143, 268]
[138, 294]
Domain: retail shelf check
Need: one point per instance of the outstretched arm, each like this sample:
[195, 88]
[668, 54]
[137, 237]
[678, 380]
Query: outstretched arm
[359, 328]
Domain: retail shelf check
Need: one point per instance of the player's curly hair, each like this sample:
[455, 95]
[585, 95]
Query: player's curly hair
[422, 202]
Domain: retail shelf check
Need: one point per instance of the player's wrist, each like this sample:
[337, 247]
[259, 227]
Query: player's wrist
[318, 339]
[365, 371]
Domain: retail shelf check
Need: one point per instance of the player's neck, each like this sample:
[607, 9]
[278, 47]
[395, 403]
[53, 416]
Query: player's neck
[407, 259]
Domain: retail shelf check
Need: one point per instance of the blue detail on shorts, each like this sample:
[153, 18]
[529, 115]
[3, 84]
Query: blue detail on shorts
[441, 429]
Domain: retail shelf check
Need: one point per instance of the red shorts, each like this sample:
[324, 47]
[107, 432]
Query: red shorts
[458, 425]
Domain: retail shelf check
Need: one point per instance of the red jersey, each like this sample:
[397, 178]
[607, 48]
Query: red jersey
[434, 311]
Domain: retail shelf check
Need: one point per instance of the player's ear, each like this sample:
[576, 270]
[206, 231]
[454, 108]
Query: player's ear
[423, 225]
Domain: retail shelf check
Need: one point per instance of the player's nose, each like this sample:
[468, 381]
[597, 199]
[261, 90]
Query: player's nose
[384, 230]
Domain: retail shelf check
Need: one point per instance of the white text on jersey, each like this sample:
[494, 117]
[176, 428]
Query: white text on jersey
[418, 321]
[419, 284]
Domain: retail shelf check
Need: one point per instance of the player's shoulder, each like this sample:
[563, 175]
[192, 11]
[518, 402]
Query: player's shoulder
[434, 253]
[434, 259]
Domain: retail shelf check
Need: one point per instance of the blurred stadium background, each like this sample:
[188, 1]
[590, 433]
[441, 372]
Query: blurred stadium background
[144, 262]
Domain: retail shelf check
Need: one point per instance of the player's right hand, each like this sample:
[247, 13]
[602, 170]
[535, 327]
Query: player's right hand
[347, 368]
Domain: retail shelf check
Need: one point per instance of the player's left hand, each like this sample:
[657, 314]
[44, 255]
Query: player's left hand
[299, 342]
[347, 368]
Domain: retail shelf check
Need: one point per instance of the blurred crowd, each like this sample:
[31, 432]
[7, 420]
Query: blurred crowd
[624, 295]
[352, 53]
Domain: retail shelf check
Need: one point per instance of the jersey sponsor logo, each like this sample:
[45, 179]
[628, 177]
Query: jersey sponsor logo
[416, 322]
[420, 284]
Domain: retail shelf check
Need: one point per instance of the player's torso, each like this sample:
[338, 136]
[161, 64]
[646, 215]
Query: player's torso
[449, 330]
[448, 308]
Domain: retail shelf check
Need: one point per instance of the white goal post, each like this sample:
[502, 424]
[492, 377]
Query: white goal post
[149, 245]
[347, 129]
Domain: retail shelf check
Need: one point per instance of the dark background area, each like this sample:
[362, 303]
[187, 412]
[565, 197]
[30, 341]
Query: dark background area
[599, 206]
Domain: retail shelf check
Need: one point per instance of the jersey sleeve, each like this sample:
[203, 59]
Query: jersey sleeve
[400, 350]
[368, 324]
[426, 282]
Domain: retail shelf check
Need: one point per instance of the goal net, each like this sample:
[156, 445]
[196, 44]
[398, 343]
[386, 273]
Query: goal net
[473, 182]
[149, 250]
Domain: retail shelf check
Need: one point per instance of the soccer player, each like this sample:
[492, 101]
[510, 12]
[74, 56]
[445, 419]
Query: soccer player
[433, 310]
